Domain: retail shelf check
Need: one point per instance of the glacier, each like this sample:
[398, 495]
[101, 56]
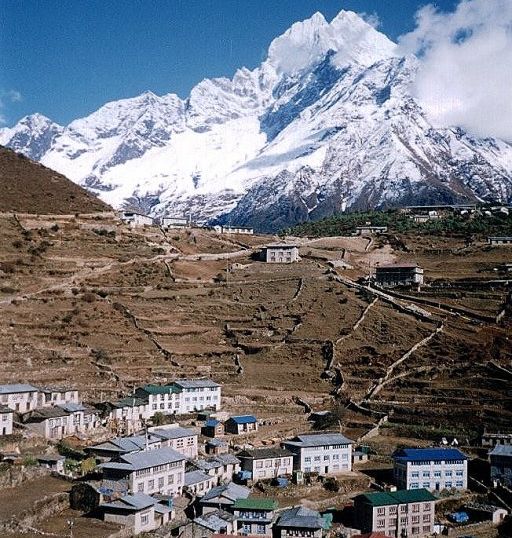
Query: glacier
[327, 123]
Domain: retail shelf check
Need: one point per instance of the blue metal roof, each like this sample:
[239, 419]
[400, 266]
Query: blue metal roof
[244, 419]
[429, 454]
[212, 423]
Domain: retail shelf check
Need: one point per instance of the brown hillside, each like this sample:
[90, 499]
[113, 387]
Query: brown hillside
[30, 187]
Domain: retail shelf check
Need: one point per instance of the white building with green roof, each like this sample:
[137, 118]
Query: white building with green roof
[398, 513]
[255, 515]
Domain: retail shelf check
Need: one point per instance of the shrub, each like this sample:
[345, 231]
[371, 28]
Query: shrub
[89, 297]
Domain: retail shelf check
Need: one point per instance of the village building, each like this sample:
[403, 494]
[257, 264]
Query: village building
[421, 218]
[138, 512]
[125, 416]
[433, 469]
[500, 458]
[324, 453]
[175, 223]
[299, 522]
[119, 446]
[134, 219]
[213, 428]
[485, 512]
[198, 483]
[217, 521]
[221, 467]
[399, 275]
[280, 253]
[6, 420]
[151, 471]
[49, 396]
[223, 497]
[241, 424]
[183, 440]
[182, 397]
[398, 513]
[52, 462]
[368, 229]
[503, 240]
[266, 463]
[19, 397]
[216, 447]
[255, 516]
[234, 230]
[492, 439]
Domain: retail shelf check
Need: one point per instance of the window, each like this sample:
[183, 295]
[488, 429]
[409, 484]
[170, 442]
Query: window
[151, 484]
[259, 464]
[344, 457]
[426, 528]
[381, 511]
[415, 530]
[415, 508]
[459, 484]
[426, 485]
[415, 519]
[170, 480]
[426, 474]
[144, 520]
[415, 474]
[307, 460]
[336, 457]
[448, 485]
[459, 473]
[392, 510]
[260, 529]
[403, 509]
[426, 518]
[403, 521]
[437, 474]
[415, 485]
[161, 482]
[426, 507]
[381, 523]
[317, 458]
[326, 458]
[140, 487]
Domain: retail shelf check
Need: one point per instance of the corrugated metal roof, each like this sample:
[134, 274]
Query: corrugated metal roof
[145, 459]
[429, 454]
[300, 517]
[195, 383]
[17, 387]
[265, 453]
[321, 439]
[230, 491]
[501, 450]
[243, 419]
[196, 477]
[256, 503]
[215, 521]
[174, 433]
[159, 389]
[212, 423]
[72, 407]
[135, 502]
[404, 496]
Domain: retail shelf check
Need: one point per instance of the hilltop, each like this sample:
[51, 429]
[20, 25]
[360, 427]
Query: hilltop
[88, 301]
[29, 187]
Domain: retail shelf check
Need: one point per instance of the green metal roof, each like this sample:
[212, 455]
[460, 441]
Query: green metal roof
[160, 389]
[404, 496]
[255, 503]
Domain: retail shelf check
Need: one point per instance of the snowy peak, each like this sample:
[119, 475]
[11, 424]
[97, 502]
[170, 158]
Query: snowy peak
[348, 35]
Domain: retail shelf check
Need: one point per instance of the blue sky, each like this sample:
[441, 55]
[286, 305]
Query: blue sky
[67, 58]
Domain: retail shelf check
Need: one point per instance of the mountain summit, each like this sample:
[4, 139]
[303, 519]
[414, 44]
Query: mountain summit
[326, 123]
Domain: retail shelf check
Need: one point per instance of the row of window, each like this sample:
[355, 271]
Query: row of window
[335, 457]
[273, 463]
[437, 474]
[415, 507]
[161, 483]
[437, 485]
[426, 462]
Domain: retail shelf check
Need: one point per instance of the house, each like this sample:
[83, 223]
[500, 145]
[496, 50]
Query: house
[324, 453]
[241, 424]
[139, 512]
[182, 397]
[358, 456]
[368, 229]
[299, 522]
[50, 422]
[420, 218]
[223, 497]
[53, 462]
[183, 440]
[212, 428]
[398, 513]
[266, 463]
[504, 240]
[119, 446]
[153, 471]
[234, 230]
[134, 219]
[433, 469]
[198, 483]
[398, 275]
[500, 458]
[125, 416]
[49, 396]
[85, 417]
[493, 439]
[6, 420]
[222, 467]
[280, 253]
[486, 512]
[255, 515]
[217, 521]
[175, 223]
[216, 447]
[19, 397]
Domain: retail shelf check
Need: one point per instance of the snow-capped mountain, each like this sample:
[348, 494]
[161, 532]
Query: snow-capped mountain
[326, 123]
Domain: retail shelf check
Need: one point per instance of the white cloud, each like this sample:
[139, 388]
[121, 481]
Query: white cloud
[465, 74]
[6, 97]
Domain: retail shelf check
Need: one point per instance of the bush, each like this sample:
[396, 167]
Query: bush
[331, 484]
[89, 297]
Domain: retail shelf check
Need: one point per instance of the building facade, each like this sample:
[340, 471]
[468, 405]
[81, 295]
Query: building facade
[159, 471]
[6, 420]
[325, 453]
[183, 440]
[175, 223]
[19, 397]
[281, 253]
[399, 275]
[238, 425]
[57, 396]
[134, 219]
[299, 522]
[255, 516]
[266, 463]
[500, 458]
[399, 513]
[433, 469]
